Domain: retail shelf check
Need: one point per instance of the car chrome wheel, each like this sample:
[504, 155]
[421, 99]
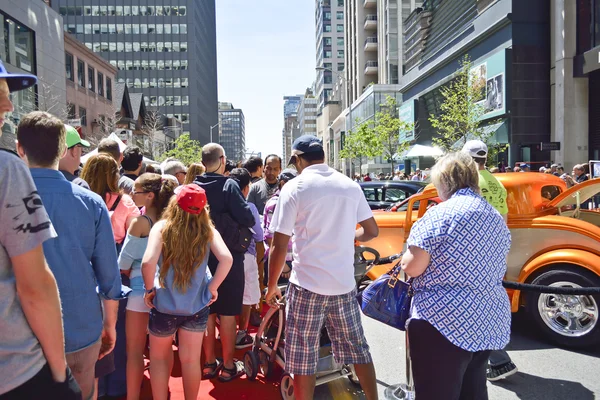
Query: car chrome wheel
[568, 315]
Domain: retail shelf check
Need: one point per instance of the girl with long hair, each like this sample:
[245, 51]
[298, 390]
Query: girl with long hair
[181, 243]
[194, 169]
[101, 172]
[153, 193]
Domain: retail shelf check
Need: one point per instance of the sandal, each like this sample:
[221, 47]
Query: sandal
[235, 372]
[214, 369]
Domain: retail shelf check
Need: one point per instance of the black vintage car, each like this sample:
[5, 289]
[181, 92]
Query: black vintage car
[383, 194]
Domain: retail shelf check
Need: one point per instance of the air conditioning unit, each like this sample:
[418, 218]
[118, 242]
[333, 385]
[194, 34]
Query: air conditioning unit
[125, 135]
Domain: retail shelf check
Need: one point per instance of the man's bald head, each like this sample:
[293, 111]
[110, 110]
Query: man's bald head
[211, 157]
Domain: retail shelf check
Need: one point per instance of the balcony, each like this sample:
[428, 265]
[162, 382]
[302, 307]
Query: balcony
[371, 68]
[370, 3]
[371, 44]
[371, 22]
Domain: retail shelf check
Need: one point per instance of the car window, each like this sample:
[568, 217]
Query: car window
[372, 194]
[404, 207]
[395, 195]
[550, 192]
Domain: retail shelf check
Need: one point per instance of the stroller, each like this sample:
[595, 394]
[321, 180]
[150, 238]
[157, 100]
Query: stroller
[269, 343]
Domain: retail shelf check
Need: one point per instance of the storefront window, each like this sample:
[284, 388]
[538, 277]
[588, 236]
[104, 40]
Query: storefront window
[18, 48]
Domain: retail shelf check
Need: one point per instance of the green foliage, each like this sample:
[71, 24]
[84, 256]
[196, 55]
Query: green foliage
[387, 130]
[462, 112]
[186, 150]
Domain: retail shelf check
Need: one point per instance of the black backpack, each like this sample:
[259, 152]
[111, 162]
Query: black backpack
[237, 237]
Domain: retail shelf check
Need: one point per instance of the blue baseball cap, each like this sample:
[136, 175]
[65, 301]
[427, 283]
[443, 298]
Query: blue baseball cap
[305, 144]
[288, 174]
[17, 82]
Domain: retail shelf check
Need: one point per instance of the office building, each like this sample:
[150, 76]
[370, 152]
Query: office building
[169, 51]
[329, 32]
[307, 115]
[361, 46]
[232, 131]
[32, 44]
[290, 122]
[291, 104]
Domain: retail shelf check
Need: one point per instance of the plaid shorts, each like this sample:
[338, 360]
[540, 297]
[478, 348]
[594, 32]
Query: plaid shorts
[306, 313]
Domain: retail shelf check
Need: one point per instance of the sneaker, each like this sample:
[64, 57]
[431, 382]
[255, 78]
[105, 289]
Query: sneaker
[240, 335]
[244, 342]
[500, 372]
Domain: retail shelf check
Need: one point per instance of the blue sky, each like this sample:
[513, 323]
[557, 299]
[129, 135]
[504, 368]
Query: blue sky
[265, 50]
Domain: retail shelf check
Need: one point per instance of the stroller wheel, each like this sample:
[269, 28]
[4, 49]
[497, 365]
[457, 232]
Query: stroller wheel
[266, 367]
[286, 387]
[251, 365]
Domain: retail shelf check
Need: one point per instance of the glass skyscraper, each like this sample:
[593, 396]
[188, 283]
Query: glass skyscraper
[165, 49]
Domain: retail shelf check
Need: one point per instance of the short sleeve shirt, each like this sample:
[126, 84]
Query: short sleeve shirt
[25, 225]
[493, 191]
[460, 293]
[321, 208]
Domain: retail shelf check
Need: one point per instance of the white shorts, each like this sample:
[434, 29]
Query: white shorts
[135, 302]
[251, 285]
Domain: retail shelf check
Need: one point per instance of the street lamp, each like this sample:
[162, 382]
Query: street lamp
[214, 126]
[340, 76]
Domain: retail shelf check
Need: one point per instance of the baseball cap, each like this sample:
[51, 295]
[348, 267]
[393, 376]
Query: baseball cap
[191, 198]
[17, 82]
[288, 174]
[73, 138]
[476, 148]
[524, 165]
[305, 144]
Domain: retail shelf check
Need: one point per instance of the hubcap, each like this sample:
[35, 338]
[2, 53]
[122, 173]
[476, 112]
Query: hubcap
[287, 387]
[568, 315]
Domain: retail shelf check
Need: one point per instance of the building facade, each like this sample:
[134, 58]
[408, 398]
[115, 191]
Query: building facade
[89, 82]
[329, 34]
[290, 122]
[361, 46]
[168, 49]
[30, 43]
[232, 131]
[307, 115]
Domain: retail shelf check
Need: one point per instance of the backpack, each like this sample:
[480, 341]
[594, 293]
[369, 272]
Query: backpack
[236, 237]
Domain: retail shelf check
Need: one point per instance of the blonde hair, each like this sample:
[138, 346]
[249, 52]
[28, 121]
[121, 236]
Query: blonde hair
[101, 172]
[193, 171]
[453, 172]
[163, 190]
[185, 239]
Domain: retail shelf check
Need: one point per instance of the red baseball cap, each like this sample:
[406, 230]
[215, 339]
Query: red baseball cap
[191, 198]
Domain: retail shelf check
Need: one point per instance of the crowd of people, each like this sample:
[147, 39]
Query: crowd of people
[96, 258]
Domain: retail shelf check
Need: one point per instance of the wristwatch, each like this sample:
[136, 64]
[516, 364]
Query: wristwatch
[150, 291]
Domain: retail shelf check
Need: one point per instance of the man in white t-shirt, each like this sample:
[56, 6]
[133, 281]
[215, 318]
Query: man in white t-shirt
[321, 207]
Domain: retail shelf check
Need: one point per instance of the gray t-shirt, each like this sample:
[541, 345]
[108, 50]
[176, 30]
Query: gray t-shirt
[25, 225]
[126, 184]
[260, 193]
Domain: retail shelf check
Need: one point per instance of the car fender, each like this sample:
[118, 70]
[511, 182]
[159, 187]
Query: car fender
[581, 258]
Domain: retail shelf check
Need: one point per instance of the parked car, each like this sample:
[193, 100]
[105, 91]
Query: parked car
[555, 242]
[383, 194]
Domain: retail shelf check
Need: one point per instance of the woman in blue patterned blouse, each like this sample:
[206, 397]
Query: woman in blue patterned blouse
[460, 312]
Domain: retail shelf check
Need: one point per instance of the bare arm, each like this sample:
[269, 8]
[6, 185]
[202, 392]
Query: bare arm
[38, 294]
[415, 261]
[152, 255]
[277, 256]
[221, 252]
[368, 230]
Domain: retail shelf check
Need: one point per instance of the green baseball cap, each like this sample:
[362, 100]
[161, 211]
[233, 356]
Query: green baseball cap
[74, 139]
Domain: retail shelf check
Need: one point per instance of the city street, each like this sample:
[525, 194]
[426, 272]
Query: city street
[545, 372]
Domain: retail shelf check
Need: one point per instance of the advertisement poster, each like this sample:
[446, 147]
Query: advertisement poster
[494, 100]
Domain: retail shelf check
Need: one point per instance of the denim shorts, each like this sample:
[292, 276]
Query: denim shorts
[164, 325]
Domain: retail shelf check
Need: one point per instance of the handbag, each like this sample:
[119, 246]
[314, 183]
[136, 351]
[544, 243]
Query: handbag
[237, 237]
[388, 299]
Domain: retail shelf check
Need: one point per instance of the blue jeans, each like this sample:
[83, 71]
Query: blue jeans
[164, 325]
[498, 358]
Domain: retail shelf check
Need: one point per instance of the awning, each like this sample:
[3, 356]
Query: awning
[419, 150]
[498, 134]
[122, 147]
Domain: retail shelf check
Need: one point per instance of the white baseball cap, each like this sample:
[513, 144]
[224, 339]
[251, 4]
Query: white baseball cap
[475, 148]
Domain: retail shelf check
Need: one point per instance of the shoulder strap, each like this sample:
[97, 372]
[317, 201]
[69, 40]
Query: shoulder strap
[149, 220]
[115, 204]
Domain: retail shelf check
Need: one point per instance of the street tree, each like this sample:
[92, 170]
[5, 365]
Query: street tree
[360, 143]
[185, 149]
[153, 128]
[462, 111]
[387, 131]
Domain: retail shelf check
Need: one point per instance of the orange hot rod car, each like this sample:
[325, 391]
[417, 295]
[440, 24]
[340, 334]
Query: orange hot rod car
[555, 242]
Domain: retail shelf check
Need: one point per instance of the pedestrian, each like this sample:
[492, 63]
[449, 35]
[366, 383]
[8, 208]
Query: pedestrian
[132, 162]
[193, 170]
[69, 163]
[177, 169]
[181, 244]
[251, 282]
[33, 363]
[322, 207]
[454, 283]
[153, 194]
[263, 190]
[492, 190]
[83, 252]
[230, 211]
[579, 174]
[254, 165]
[112, 148]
